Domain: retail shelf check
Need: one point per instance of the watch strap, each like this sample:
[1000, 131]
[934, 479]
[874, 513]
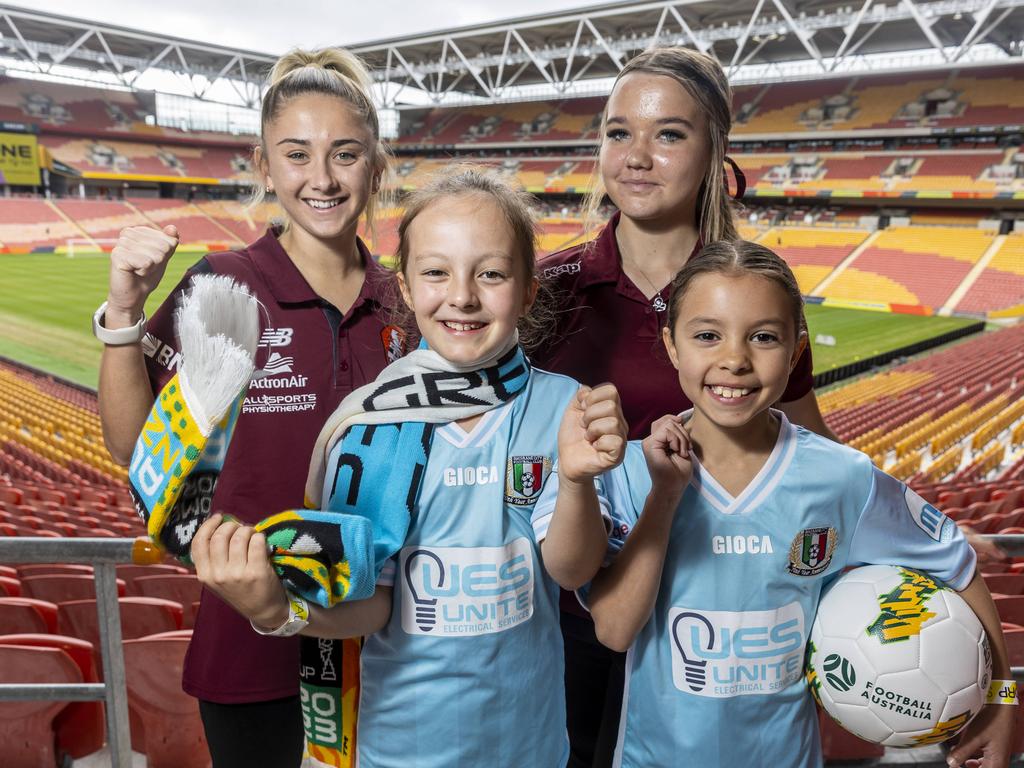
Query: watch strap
[117, 337]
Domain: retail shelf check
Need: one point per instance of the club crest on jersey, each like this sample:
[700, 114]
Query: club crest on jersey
[393, 339]
[525, 478]
[811, 551]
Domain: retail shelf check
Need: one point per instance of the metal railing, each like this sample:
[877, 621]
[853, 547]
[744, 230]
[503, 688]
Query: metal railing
[103, 555]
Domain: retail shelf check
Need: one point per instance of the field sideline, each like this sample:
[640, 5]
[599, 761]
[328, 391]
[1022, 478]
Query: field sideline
[48, 301]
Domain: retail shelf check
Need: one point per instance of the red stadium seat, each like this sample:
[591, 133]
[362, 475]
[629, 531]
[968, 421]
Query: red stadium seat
[1015, 646]
[80, 727]
[10, 587]
[27, 728]
[140, 616]
[181, 588]
[838, 744]
[25, 614]
[8, 571]
[174, 733]
[10, 495]
[1004, 583]
[1009, 499]
[61, 588]
[47, 569]
[131, 572]
[1010, 608]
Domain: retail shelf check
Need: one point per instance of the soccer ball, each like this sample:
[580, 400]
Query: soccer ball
[897, 658]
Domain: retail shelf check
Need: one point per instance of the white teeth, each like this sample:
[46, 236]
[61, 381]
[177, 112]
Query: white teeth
[463, 326]
[729, 392]
[323, 204]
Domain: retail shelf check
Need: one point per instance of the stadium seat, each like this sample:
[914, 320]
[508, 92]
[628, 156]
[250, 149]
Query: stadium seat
[1004, 583]
[1009, 499]
[1010, 608]
[9, 587]
[61, 588]
[131, 572]
[1015, 646]
[838, 744]
[173, 731]
[80, 726]
[140, 616]
[50, 569]
[180, 588]
[27, 615]
[27, 728]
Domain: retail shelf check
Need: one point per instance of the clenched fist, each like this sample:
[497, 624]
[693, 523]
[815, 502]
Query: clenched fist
[137, 265]
[592, 436]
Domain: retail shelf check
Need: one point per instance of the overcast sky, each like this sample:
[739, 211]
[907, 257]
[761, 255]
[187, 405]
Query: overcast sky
[274, 26]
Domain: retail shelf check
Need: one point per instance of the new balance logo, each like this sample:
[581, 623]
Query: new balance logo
[277, 337]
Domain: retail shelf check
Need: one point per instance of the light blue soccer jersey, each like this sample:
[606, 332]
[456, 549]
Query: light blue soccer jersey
[468, 671]
[715, 678]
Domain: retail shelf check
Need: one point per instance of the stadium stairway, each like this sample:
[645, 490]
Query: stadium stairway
[972, 277]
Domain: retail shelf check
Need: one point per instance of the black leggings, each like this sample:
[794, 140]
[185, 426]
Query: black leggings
[263, 733]
[594, 677]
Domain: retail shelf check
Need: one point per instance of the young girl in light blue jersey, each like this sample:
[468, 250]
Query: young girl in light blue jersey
[462, 659]
[712, 513]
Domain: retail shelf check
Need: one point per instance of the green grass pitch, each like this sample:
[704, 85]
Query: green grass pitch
[860, 335]
[47, 301]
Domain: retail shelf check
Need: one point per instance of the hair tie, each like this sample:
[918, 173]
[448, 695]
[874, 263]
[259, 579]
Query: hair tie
[741, 180]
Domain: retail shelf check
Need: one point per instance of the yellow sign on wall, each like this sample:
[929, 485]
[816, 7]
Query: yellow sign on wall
[19, 159]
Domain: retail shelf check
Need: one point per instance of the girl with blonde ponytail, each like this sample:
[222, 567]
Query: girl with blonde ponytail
[662, 163]
[325, 333]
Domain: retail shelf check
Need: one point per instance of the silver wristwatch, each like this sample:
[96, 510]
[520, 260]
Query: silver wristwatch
[298, 618]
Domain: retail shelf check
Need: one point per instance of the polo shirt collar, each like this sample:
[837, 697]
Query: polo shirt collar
[287, 285]
[602, 262]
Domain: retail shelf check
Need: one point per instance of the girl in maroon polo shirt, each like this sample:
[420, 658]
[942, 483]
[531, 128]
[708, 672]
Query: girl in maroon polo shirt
[325, 335]
[664, 134]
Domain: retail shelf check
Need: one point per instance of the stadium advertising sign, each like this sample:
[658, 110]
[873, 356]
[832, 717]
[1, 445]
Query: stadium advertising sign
[19, 159]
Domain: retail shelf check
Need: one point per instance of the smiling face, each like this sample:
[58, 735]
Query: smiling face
[318, 156]
[734, 345]
[464, 279]
[655, 151]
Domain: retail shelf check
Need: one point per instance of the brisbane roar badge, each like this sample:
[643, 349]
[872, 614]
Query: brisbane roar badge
[811, 551]
[393, 339]
[525, 479]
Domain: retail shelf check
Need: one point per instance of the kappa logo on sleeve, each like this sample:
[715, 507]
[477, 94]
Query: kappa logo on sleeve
[928, 518]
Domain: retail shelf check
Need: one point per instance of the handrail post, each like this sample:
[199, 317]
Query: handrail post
[112, 653]
[103, 554]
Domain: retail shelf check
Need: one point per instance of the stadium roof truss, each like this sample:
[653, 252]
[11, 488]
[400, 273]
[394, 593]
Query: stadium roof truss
[563, 49]
[43, 42]
[756, 40]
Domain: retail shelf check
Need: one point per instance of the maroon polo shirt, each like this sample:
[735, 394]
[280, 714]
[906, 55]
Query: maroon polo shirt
[312, 357]
[607, 330]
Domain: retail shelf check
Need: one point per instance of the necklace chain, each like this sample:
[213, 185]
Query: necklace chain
[657, 302]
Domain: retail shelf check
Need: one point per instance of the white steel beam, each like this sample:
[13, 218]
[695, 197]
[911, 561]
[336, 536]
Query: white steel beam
[926, 27]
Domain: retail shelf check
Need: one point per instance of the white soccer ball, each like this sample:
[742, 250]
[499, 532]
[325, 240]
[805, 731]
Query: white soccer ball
[897, 658]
